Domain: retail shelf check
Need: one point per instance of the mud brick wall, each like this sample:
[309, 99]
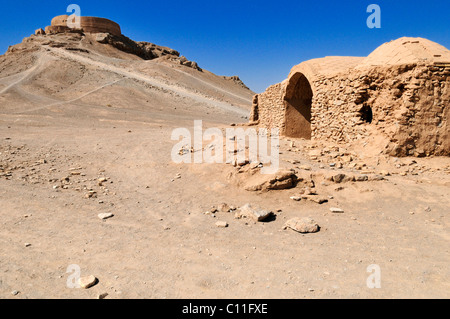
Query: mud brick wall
[409, 106]
[269, 108]
[88, 24]
[403, 109]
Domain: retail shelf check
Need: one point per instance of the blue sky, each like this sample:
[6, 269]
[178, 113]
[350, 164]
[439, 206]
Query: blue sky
[258, 40]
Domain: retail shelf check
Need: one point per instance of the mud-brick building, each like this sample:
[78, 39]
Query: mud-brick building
[87, 24]
[397, 96]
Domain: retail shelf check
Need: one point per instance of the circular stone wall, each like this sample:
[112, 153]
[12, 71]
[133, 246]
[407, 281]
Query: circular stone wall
[90, 24]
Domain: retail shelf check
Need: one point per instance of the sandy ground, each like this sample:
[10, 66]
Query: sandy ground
[55, 145]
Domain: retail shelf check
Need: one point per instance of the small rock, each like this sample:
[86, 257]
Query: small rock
[302, 225]
[224, 208]
[222, 224]
[105, 215]
[15, 292]
[385, 173]
[102, 296]
[87, 282]
[316, 199]
[339, 178]
[336, 210]
[296, 198]
[248, 212]
[27, 244]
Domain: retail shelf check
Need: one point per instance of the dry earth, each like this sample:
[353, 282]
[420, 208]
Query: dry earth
[85, 133]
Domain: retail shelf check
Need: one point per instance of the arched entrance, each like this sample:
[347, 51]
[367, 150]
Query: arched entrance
[298, 101]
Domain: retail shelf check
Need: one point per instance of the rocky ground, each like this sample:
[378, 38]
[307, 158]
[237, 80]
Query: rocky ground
[87, 183]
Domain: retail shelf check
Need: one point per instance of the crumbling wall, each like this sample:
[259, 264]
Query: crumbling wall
[270, 107]
[87, 24]
[408, 106]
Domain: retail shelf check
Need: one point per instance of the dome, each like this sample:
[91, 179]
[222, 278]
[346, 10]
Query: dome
[407, 50]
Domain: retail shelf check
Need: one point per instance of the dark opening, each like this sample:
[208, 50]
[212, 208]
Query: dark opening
[298, 107]
[366, 113]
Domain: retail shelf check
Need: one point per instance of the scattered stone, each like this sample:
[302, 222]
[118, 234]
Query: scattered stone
[223, 207]
[27, 244]
[296, 198]
[375, 177]
[105, 215]
[101, 180]
[336, 210]
[361, 178]
[302, 225]
[15, 292]
[87, 282]
[102, 296]
[222, 224]
[247, 211]
[281, 180]
[91, 194]
[385, 173]
[315, 153]
[342, 178]
[316, 199]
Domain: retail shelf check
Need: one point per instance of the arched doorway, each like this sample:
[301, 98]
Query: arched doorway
[298, 101]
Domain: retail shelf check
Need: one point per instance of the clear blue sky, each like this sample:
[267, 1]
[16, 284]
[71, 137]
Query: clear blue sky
[258, 40]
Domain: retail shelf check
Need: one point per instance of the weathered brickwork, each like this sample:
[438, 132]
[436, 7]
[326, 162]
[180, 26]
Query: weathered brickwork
[402, 107]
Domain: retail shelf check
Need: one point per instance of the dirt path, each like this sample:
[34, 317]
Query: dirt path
[152, 81]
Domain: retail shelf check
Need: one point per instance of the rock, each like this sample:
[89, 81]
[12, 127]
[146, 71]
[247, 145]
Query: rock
[302, 225]
[222, 224]
[102, 296]
[39, 31]
[27, 244]
[87, 282]
[102, 38]
[361, 178]
[296, 198]
[15, 292]
[316, 199]
[341, 178]
[336, 210]
[281, 180]
[105, 215]
[261, 215]
[315, 153]
[374, 177]
[247, 211]
[224, 208]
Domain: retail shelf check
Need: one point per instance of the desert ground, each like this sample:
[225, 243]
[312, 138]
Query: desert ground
[87, 130]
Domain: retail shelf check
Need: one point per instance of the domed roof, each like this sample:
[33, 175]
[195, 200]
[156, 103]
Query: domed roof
[407, 50]
[326, 66]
